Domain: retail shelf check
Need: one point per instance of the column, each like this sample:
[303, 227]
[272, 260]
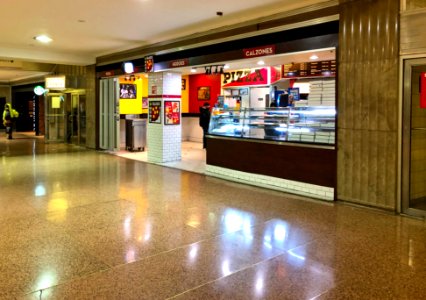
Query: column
[164, 128]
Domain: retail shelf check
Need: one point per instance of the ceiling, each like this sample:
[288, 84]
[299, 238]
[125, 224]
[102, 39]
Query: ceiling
[83, 30]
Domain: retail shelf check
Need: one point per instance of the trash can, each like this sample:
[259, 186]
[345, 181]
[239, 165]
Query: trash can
[135, 134]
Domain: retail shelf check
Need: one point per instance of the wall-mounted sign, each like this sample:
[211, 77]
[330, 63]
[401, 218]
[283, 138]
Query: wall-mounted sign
[423, 90]
[149, 64]
[55, 83]
[310, 69]
[128, 67]
[155, 112]
[245, 77]
[179, 63]
[39, 90]
[171, 112]
[259, 51]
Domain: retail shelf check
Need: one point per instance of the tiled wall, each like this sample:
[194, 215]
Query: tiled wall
[164, 141]
[294, 187]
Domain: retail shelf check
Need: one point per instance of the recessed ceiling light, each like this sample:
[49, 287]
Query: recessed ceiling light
[226, 66]
[193, 70]
[43, 39]
[260, 62]
[313, 57]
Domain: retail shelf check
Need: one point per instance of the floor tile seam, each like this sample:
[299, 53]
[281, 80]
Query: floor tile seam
[230, 274]
[65, 283]
[84, 206]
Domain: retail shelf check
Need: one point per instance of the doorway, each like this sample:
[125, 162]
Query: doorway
[414, 139]
[55, 117]
[76, 118]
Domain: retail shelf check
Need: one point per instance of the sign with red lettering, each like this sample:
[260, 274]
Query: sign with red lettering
[423, 90]
[179, 63]
[246, 77]
[259, 51]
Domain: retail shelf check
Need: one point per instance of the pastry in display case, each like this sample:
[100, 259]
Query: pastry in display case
[315, 125]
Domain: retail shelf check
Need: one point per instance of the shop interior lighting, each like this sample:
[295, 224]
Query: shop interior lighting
[43, 39]
[260, 62]
[313, 57]
[193, 70]
[226, 67]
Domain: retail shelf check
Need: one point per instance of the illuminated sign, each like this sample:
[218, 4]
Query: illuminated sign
[149, 64]
[39, 90]
[128, 67]
[55, 83]
[179, 63]
[246, 77]
[259, 51]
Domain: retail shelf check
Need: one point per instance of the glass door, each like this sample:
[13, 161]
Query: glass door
[414, 138]
[55, 117]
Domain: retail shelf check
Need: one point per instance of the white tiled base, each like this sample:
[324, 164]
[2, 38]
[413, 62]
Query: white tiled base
[284, 185]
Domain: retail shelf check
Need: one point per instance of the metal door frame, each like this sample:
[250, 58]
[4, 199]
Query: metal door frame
[109, 112]
[406, 137]
[47, 115]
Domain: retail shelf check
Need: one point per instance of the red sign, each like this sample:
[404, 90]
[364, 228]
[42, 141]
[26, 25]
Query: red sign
[179, 63]
[423, 90]
[259, 51]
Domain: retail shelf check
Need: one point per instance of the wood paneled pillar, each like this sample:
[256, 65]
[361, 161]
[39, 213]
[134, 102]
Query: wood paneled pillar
[368, 102]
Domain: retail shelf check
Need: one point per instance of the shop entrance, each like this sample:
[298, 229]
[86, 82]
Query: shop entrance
[414, 138]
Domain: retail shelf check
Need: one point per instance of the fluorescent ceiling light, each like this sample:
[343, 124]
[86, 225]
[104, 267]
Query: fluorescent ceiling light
[43, 39]
[313, 57]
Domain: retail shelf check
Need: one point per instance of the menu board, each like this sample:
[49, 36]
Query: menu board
[171, 112]
[310, 69]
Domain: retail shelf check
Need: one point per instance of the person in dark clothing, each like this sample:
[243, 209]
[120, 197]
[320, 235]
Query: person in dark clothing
[205, 120]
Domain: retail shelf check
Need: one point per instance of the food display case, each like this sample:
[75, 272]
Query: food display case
[314, 125]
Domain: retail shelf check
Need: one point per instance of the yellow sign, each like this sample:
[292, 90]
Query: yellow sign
[56, 102]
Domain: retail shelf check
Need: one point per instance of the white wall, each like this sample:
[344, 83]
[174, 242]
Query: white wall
[256, 94]
[191, 130]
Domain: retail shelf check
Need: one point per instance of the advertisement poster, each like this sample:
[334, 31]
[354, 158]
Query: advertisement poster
[294, 92]
[144, 102]
[155, 112]
[171, 112]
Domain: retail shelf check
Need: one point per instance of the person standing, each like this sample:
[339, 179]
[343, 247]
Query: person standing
[9, 115]
[205, 120]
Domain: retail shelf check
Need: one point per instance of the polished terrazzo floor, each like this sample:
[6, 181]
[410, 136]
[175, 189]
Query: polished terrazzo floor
[80, 224]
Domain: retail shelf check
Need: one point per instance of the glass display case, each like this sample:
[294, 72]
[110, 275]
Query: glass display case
[315, 125]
